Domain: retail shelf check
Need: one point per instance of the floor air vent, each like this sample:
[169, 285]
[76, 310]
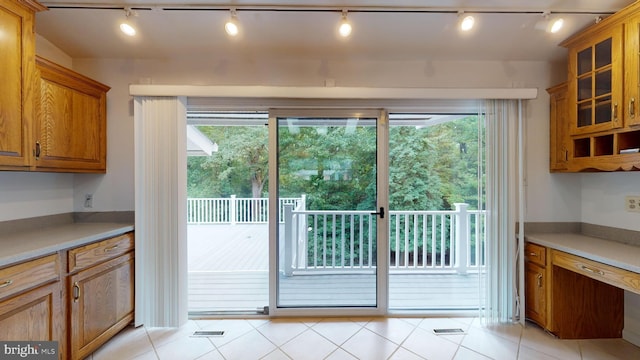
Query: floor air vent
[457, 331]
[208, 333]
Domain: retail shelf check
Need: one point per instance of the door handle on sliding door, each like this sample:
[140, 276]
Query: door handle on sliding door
[381, 213]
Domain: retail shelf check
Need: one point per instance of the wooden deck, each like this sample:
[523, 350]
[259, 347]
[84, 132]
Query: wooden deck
[228, 271]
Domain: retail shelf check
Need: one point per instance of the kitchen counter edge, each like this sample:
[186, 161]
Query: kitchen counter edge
[608, 252]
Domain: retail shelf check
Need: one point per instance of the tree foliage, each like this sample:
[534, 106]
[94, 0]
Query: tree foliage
[430, 168]
[239, 167]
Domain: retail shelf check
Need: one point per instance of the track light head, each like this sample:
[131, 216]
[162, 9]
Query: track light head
[465, 21]
[550, 24]
[345, 26]
[231, 26]
[126, 26]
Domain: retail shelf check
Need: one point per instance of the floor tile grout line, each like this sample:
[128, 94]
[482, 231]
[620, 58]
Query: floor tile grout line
[153, 345]
[347, 339]
[405, 339]
[520, 342]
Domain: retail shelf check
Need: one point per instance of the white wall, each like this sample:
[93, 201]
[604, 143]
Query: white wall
[603, 199]
[25, 195]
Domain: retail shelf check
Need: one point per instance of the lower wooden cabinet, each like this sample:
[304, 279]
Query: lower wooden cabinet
[31, 307]
[536, 288]
[572, 297]
[101, 303]
[80, 297]
[536, 293]
[100, 292]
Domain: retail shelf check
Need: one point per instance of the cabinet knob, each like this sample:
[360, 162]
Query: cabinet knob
[632, 108]
[614, 113]
[539, 278]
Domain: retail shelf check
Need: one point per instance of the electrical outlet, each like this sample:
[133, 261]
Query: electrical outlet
[632, 203]
[88, 200]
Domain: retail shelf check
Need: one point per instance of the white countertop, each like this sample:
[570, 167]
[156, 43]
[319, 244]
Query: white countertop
[604, 251]
[27, 245]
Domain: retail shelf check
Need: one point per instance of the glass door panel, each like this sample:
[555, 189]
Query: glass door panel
[327, 243]
[435, 227]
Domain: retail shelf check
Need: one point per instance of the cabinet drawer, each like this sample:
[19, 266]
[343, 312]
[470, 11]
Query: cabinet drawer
[535, 254]
[98, 252]
[28, 275]
[608, 274]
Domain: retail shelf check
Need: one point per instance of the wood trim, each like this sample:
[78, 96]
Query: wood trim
[66, 77]
[604, 25]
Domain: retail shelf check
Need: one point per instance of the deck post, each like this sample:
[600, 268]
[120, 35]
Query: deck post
[462, 240]
[288, 239]
[232, 210]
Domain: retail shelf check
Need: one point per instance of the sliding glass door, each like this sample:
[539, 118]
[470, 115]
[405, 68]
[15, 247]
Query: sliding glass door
[436, 237]
[328, 209]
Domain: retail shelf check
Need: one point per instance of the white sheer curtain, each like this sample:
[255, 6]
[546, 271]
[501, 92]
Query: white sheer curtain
[502, 281]
[160, 188]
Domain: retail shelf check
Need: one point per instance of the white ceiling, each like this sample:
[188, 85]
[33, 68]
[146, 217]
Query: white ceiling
[397, 33]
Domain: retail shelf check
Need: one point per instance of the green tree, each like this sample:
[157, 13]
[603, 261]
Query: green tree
[240, 166]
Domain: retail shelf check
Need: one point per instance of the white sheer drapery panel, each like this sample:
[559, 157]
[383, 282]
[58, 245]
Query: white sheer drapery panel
[504, 205]
[160, 208]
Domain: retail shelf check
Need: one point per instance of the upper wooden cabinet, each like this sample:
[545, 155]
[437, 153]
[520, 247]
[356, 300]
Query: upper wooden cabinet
[632, 71]
[558, 126]
[17, 64]
[602, 117]
[51, 118]
[595, 82]
[70, 130]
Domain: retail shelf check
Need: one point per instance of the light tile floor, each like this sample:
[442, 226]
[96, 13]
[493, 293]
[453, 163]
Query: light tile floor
[355, 338]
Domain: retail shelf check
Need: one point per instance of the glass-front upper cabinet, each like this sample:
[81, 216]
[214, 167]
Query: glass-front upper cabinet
[596, 70]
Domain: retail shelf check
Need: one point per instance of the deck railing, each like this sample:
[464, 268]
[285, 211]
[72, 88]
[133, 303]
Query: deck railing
[418, 240]
[344, 241]
[234, 210]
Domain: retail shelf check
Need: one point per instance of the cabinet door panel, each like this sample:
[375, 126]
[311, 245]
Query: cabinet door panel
[70, 127]
[595, 87]
[632, 71]
[15, 46]
[102, 302]
[535, 302]
[32, 316]
[71, 121]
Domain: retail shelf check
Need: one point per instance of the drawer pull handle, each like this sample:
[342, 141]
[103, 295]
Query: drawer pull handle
[6, 283]
[76, 292]
[539, 277]
[111, 248]
[533, 254]
[593, 271]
